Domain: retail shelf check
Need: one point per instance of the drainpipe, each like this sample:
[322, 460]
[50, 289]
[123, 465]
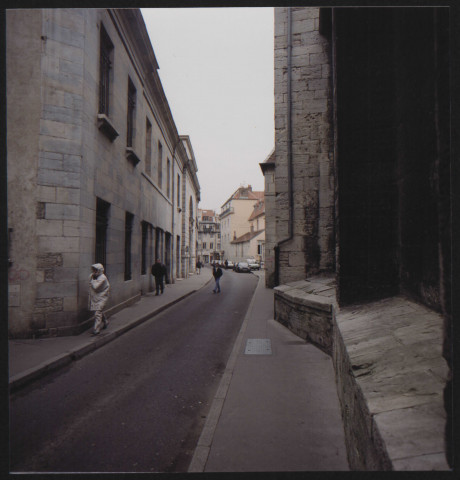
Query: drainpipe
[289, 149]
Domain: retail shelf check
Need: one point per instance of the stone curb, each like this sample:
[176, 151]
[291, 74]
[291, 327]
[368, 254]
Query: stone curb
[200, 456]
[24, 378]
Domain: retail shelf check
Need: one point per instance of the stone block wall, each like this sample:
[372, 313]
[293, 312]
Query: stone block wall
[310, 111]
[389, 369]
[60, 162]
[23, 63]
[270, 224]
[309, 318]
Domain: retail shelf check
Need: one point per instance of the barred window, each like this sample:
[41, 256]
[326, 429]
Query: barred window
[148, 148]
[160, 165]
[178, 190]
[145, 232]
[106, 57]
[168, 178]
[131, 109]
[102, 222]
[128, 238]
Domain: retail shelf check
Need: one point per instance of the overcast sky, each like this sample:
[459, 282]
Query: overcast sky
[216, 68]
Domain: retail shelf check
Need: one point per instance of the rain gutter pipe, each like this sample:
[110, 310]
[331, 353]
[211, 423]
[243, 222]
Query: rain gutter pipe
[289, 149]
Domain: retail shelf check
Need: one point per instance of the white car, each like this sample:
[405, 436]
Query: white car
[230, 264]
[242, 267]
[253, 265]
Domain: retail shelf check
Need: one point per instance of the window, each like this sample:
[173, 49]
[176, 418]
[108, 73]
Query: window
[178, 190]
[160, 165]
[211, 246]
[102, 222]
[148, 148]
[204, 244]
[106, 57]
[129, 217]
[145, 233]
[131, 109]
[178, 256]
[168, 178]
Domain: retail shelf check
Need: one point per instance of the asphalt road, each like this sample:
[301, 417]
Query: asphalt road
[139, 403]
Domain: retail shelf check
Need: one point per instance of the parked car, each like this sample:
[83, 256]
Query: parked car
[253, 265]
[242, 267]
[230, 264]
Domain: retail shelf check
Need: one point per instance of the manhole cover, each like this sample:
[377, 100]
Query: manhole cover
[258, 346]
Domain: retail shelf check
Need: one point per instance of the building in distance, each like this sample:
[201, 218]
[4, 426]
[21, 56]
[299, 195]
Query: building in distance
[209, 236]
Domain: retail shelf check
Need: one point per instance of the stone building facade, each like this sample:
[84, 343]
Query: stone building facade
[209, 244]
[95, 164]
[358, 219]
[268, 170]
[252, 243]
[234, 216]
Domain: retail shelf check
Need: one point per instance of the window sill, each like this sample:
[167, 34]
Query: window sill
[106, 127]
[132, 156]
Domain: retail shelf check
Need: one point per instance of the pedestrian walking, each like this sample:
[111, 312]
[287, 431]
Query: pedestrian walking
[226, 264]
[217, 273]
[198, 267]
[159, 272]
[99, 289]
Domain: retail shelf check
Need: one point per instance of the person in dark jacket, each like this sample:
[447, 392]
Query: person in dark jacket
[159, 272]
[217, 273]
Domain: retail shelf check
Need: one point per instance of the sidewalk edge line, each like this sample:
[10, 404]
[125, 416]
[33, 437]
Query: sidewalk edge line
[203, 447]
[20, 380]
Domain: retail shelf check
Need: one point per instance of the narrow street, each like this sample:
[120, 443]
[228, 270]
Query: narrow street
[139, 403]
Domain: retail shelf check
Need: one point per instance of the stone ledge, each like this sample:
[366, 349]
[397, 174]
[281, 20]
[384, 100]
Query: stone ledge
[389, 369]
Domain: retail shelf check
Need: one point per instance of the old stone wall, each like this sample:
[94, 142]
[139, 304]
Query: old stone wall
[270, 226]
[310, 111]
[306, 313]
[22, 135]
[70, 162]
[389, 368]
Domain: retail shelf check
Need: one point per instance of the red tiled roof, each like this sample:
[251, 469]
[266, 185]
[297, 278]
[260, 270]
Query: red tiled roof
[245, 193]
[247, 236]
[259, 209]
[207, 213]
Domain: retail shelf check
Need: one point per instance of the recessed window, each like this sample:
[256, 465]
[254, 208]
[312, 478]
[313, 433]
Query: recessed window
[102, 222]
[129, 217]
[145, 233]
[105, 66]
[131, 110]
[178, 190]
[160, 165]
[148, 148]
[168, 178]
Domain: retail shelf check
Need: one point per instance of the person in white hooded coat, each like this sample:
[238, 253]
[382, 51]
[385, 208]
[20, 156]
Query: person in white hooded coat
[99, 289]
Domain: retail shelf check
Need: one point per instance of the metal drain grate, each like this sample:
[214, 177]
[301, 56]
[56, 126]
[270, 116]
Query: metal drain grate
[258, 346]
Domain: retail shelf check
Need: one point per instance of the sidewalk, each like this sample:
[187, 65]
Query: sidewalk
[31, 359]
[276, 408]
